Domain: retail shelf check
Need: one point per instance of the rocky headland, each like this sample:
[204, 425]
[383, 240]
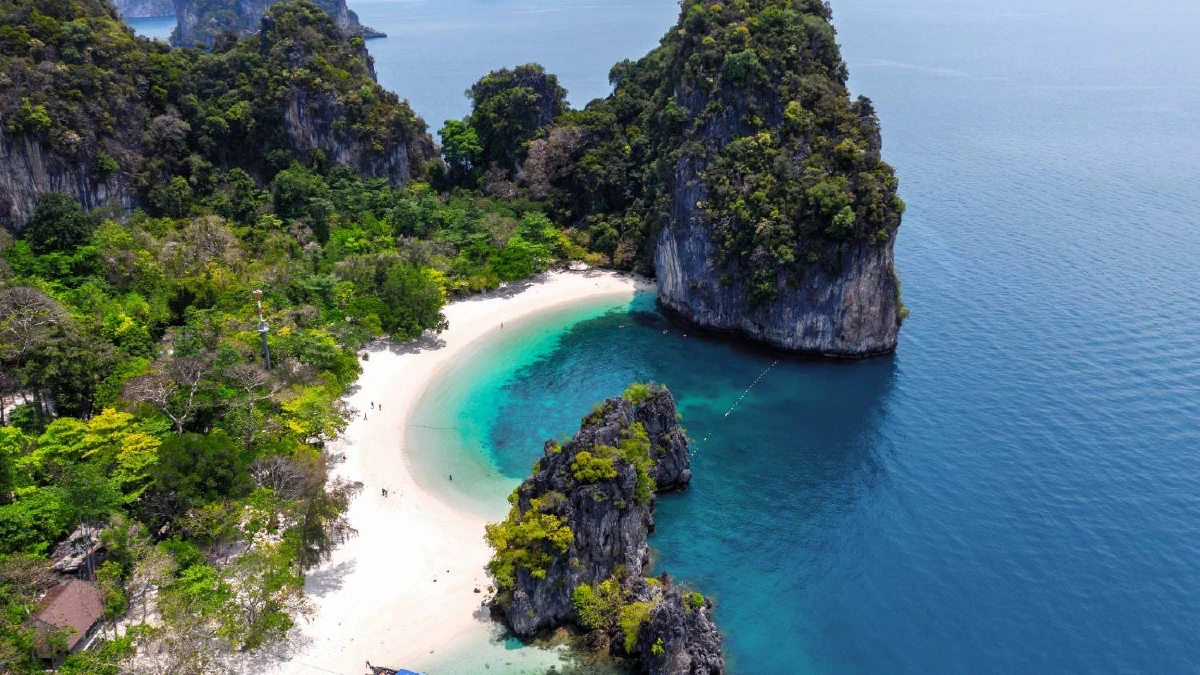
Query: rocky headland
[141, 139]
[203, 21]
[139, 9]
[733, 165]
[573, 549]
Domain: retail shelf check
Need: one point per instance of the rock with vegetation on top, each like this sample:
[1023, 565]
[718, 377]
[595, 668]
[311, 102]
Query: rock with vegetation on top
[204, 21]
[680, 636]
[733, 164]
[140, 9]
[93, 111]
[573, 548]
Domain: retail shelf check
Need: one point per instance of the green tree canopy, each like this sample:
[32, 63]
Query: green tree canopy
[462, 151]
[511, 106]
[59, 223]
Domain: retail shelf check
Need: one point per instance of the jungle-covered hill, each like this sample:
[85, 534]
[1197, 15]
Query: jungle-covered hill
[147, 192]
[92, 110]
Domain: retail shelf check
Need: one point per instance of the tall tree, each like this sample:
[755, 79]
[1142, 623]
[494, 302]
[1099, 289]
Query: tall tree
[27, 319]
[265, 590]
[255, 385]
[58, 224]
[68, 368]
[174, 387]
[510, 108]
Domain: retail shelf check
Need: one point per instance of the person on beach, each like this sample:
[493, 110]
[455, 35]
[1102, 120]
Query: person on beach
[451, 476]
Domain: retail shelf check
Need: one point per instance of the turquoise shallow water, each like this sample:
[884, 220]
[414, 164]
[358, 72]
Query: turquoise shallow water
[1016, 490]
[449, 432]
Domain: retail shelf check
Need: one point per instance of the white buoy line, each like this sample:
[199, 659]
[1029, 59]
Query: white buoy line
[740, 398]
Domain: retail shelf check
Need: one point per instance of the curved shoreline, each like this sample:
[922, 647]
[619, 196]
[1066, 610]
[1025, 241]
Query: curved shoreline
[403, 591]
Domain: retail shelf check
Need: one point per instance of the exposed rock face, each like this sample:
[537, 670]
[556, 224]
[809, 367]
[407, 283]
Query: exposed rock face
[690, 642]
[610, 513]
[846, 304]
[309, 122]
[733, 163]
[201, 21]
[28, 168]
[845, 308]
[96, 150]
[138, 9]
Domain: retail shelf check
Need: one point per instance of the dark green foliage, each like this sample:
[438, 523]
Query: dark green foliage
[463, 153]
[298, 194]
[197, 468]
[413, 300]
[510, 108]
[88, 496]
[59, 223]
[27, 418]
[748, 97]
[72, 366]
[170, 121]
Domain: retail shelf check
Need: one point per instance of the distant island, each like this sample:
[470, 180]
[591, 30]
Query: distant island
[204, 22]
[204, 248]
[142, 9]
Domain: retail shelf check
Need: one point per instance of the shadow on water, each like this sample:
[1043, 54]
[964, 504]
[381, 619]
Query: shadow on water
[782, 484]
[787, 453]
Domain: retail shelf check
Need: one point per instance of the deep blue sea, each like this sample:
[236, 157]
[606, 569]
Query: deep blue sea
[1017, 489]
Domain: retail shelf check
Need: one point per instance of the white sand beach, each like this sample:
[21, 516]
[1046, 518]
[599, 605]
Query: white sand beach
[403, 590]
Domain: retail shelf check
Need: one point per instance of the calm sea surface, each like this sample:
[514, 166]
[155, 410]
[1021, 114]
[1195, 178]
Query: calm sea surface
[158, 27]
[1018, 488]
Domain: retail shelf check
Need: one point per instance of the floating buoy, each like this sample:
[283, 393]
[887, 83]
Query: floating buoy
[742, 396]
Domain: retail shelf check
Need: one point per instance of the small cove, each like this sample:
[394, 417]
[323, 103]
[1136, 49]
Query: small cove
[1015, 489]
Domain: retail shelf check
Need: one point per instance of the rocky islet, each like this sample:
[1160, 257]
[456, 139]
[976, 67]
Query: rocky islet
[573, 549]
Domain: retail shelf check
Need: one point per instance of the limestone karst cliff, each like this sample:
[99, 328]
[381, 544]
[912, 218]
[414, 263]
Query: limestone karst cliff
[573, 549]
[28, 168]
[119, 120]
[202, 21]
[846, 305]
[137, 9]
[732, 163]
[782, 217]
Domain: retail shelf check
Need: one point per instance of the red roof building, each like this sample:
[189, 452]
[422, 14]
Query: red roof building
[74, 609]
